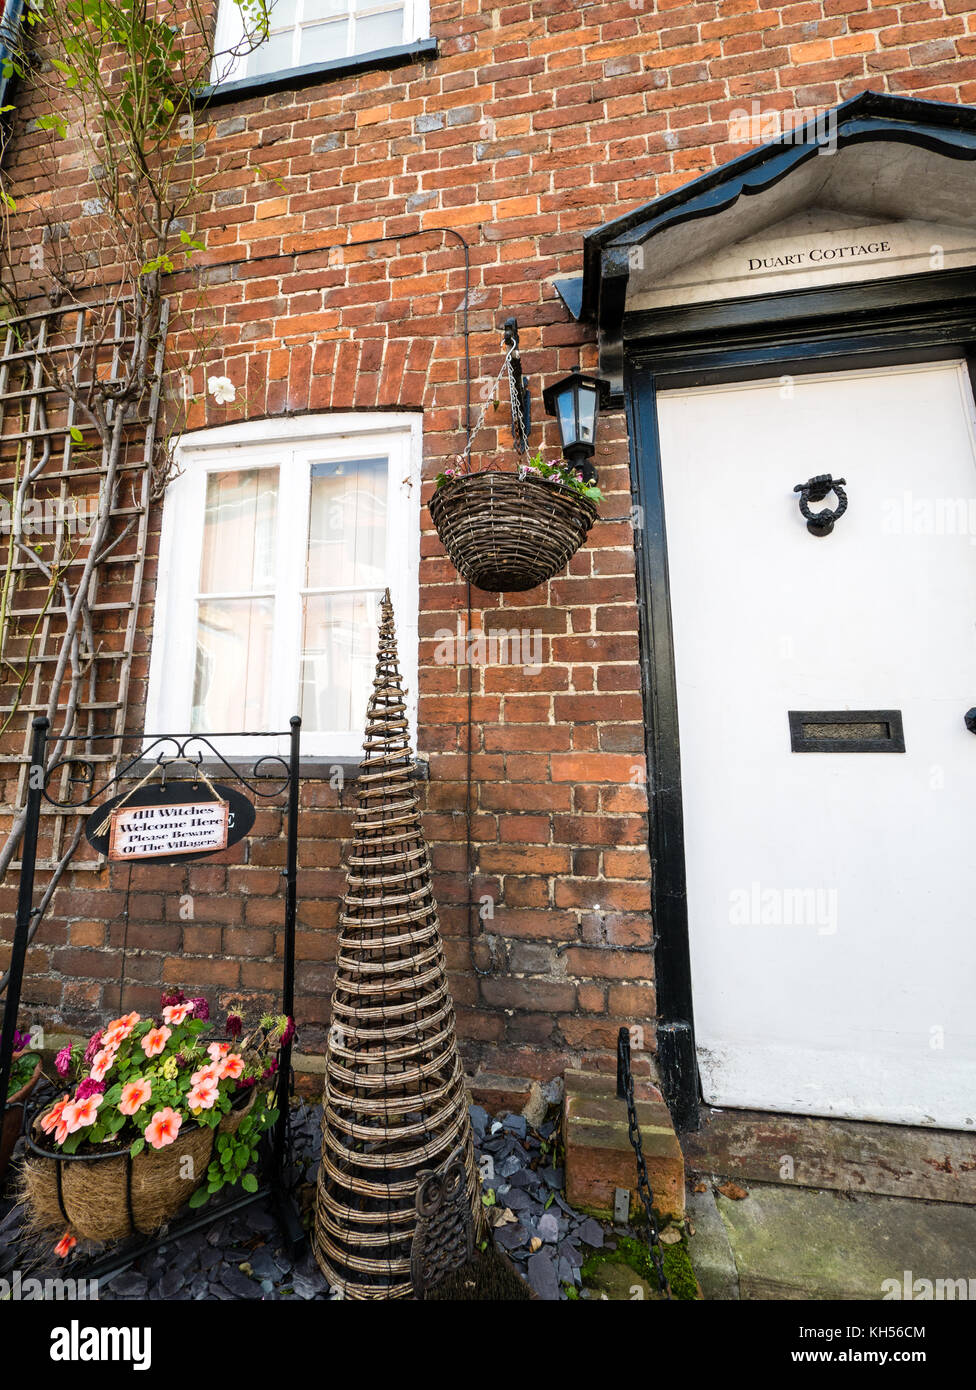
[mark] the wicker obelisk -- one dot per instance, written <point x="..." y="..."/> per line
<point x="395" y="1103"/>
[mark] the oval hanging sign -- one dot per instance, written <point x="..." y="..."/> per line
<point x="181" y="820"/>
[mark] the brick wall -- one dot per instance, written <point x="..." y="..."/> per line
<point x="535" y="123"/>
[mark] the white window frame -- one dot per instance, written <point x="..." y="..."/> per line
<point x="294" y="444"/>
<point x="230" y="33"/>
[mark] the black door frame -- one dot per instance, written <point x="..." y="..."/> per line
<point x="917" y="318"/>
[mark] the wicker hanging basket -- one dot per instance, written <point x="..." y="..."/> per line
<point x="505" y="533"/>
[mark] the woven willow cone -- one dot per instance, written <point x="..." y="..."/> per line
<point x="395" y="1102"/>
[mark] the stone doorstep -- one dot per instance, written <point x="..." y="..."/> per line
<point x="599" y="1155"/>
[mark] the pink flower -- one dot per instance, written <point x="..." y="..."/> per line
<point x="134" y="1096"/>
<point x="163" y="1128"/>
<point x="52" y="1119"/>
<point x="218" y="1050"/>
<point x="211" y="1072"/>
<point x="231" y="1066"/>
<point x="200" y="1007"/>
<point x="234" y="1025"/>
<point x="176" y="1013"/>
<point x="204" y="1094"/>
<point x="79" y="1114"/>
<point x="94" y="1045"/>
<point x="62" y="1062"/>
<point x="102" y="1063"/>
<point x="65" y="1245"/>
<point x="155" y="1041"/>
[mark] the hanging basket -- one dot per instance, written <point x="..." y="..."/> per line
<point x="108" y="1196"/>
<point x="506" y="533"/>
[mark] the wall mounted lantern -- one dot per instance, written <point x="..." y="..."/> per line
<point x="576" y="402"/>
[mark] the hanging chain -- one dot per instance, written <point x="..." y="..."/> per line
<point x="625" y="1084"/>
<point x="464" y="459"/>
<point x="519" y="433"/>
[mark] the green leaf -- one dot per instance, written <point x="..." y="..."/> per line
<point x="249" y="1182"/>
<point x="199" y="1197"/>
<point x="52" y="122"/>
<point x="137" y="1147"/>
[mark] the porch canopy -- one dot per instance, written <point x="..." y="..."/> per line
<point x="815" y="206"/>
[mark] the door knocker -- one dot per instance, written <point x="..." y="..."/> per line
<point x="815" y="490"/>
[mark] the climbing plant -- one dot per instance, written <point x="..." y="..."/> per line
<point x="116" y="87"/>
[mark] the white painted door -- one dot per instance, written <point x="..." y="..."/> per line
<point x="831" y="896"/>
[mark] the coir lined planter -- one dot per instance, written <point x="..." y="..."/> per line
<point x="110" y="1195"/>
<point x="505" y="533"/>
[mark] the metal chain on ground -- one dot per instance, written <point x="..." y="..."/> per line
<point x="625" y="1084"/>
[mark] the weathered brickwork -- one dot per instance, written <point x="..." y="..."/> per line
<point x="535" y="123"/>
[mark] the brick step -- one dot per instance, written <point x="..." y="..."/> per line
<point x="599" y="1155"/>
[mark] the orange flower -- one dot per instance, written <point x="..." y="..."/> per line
<point x="204" y="1094"/>
<point x="52" y="1119"/>
<point x="102" y="1062"/>
<point x="119" y="1029"/>
<point x="176" y="1013"/>
<point x="211" y="1072"/>
<point x="217" y="1051"/>
<point x="134" y="1096"/>
<point x="155" y="1041"/>
<point x="79" y="1114"/>
<point x="232" y="1066"/>
<point x="163" y="1128"/>
<point x="66" y="1244"/>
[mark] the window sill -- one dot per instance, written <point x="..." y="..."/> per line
<point x="290" y="79"/>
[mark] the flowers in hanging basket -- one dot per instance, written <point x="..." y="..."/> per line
<point x="559" y="471"/>
<point x="547" y="471"/>
<point x="140" y="1080"/>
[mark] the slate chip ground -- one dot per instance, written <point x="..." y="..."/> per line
<point x="241" y="1256"/>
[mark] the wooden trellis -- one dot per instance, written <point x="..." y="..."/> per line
<point x="52" y="458"/>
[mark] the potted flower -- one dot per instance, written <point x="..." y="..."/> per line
<point x="157" y="1114"/>
<point x="24" y="1075"/>
<point x="506" y="532"/>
